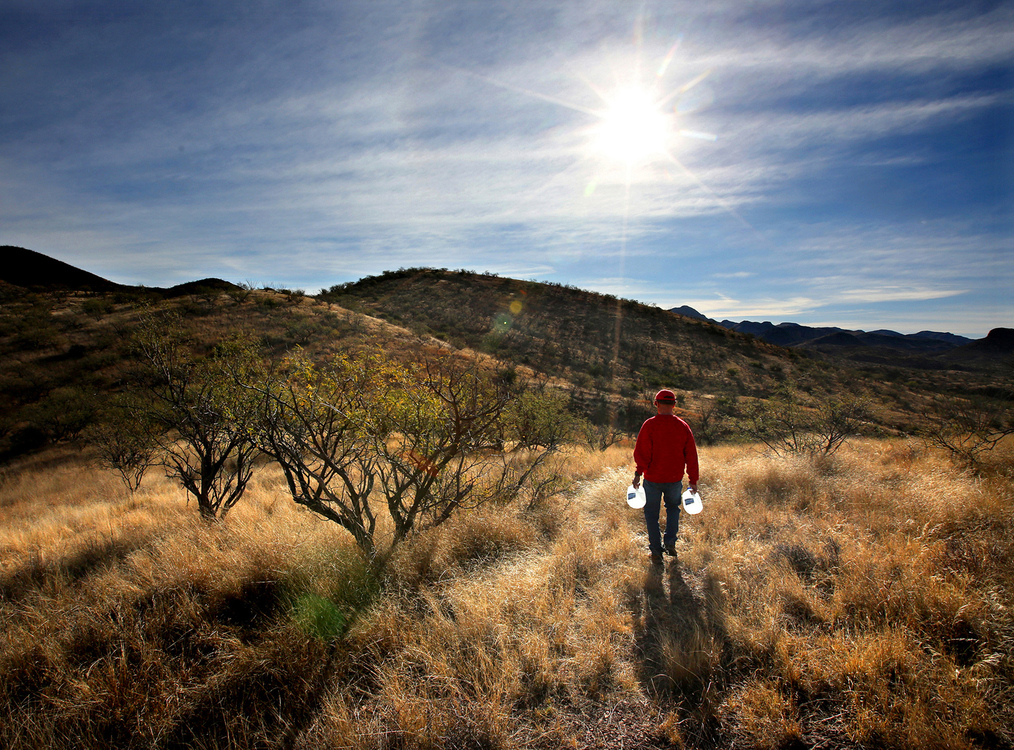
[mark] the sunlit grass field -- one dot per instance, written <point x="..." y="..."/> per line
<point x="859" y="601"/>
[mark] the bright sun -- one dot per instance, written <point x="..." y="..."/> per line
<point x="633" y="127"/>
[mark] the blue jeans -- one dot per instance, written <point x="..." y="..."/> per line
<point x="653" y="494"/>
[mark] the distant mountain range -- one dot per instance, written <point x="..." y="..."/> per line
<point x="872" y="346"/>
<point x="793" y="334"/>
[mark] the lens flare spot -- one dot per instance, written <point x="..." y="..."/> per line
<point x="516" y="307"/>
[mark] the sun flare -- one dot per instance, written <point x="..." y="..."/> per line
<point x="633" y="127"/>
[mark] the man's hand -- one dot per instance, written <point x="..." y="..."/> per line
<point x="637" y="480"/>
<point x="693" y="488"/>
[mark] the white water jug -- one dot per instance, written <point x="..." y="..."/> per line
<point x="692" y="502"/>
<point x="635" y="497"/>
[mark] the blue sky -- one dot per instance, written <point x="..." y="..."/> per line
<point x="827" y="163"/>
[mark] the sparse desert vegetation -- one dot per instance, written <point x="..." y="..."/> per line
<point x="848" y="585"/>
<point x="858" y="600"/>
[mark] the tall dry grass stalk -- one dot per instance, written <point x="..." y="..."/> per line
<point x="861" y="601"/>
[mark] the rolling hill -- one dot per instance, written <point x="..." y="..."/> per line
<point x="605" y="347"/>
<point x="67" y="343"/>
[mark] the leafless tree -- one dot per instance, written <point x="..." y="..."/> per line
<point x="124" y="441"/>
<point x="362" y="438"/>
<point x="712" y="420"/>
<point x="201" y="420"/>
<point x="787" y="427"/>
<point x="969" y="427"/>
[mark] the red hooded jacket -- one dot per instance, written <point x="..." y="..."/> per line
<point x="665" y="448"/>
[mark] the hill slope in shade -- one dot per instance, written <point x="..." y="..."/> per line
<point x="615" y="344"/>
<point x="997" y="347"/>
<point x="32" y="270"/>
<point x="202" y="286"/>
<point x="688" y="312"/>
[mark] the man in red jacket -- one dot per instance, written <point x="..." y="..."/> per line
<point x="665" y="448"/>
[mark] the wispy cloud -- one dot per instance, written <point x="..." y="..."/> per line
<point x="765" y="308"/>
<point x="895" y="293"/>
<point x="315" y="145"/>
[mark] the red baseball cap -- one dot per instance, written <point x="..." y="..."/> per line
<point x="665" y="396"/>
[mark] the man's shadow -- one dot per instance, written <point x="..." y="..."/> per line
<point x="679" y="636"/>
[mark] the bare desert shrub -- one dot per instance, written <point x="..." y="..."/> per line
<point x="788" y="427"/>
<point x="197" y="420"/>
<point x="970" y="428"/>
<point x="123" y="443"/>
<point x="375" y="445"/>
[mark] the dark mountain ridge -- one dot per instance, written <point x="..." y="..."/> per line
<point x="999" y="341"/>
<point x="34" y="271"/>
<point x="794" y="334"/>
<point x="922" y="349"/>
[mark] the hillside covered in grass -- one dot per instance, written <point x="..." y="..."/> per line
<point x="845" y="603"/>
<point x="613" y="351"/>
<point x="62" y="351"/>
<point x="589" y="338"/>
<point x="859" y="598"/>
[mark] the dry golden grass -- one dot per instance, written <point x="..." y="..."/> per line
<point x="861" y="601"/>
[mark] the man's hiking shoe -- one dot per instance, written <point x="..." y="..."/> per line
<point x="656" y="559"/>
<point x="671" y="551"/>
